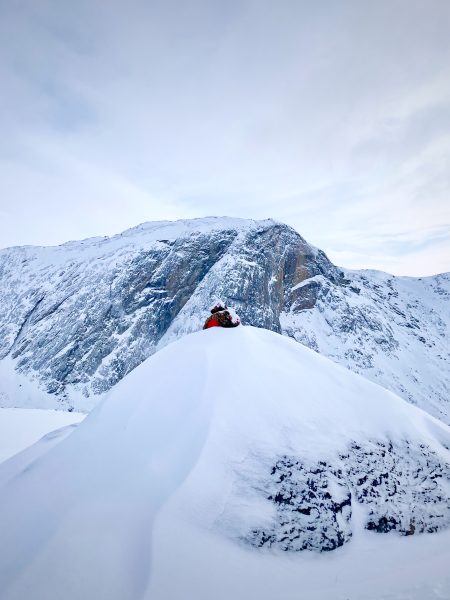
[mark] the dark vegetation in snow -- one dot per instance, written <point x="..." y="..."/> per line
<point x="403" y="487"/>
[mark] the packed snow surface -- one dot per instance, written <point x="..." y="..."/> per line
<point x="223" y="467"/>
<point x="21" y="427"/>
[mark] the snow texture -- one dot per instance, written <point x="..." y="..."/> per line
<point x="75" y="319"/>
<point x="312" y="507"/>
<point x="257" y="445"/>
<point x="393" y="330"/>
<point x="21" y="427"/>
<point x="405" y="487"/>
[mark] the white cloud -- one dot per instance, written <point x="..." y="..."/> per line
<point x="333" y="117"/>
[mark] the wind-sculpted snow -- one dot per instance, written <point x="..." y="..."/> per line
<point x="228" y="441"/>
<point x="76" y="318"/>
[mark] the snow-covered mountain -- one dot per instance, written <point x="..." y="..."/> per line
<point x="74" y="319"/>
<point x="211" y="468"/>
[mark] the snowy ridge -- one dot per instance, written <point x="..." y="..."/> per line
<point x="22" y="427"/>
<point x="76" y="318"/>
<point x="285" y="451"/>
<point x="393" y="330"/>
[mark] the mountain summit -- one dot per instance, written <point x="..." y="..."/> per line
<point x="228" y="440"/>
<point x="76" y="318"/>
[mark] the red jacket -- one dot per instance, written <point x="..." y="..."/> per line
<point x="221" y="318"/>
<point x="212" y="321"/>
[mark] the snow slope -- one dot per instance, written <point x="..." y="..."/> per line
<point x="21" y="427"/>
<point x="393" y="330"/>
<point x="227" y="463"/>
<point x="76" y="318"/>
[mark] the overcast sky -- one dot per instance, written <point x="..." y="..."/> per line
<point x="332" y="116"/>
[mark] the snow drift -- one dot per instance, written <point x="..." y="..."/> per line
<point x="243" y="434"/>
<point x="76" y="318"/>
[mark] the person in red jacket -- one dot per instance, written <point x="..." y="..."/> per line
<point x="221" y="316"/>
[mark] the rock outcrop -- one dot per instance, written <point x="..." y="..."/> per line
<point x="74" y="319"/>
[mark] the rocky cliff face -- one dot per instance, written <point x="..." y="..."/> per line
<point x="76" y="318"/>
<point x="393" y="330"/>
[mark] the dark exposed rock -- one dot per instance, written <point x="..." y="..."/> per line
<point x="403" y="486"/>
<point x="78" y="317"/>
<point x="313" y="508"/>
<point x="83" y="324"/>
